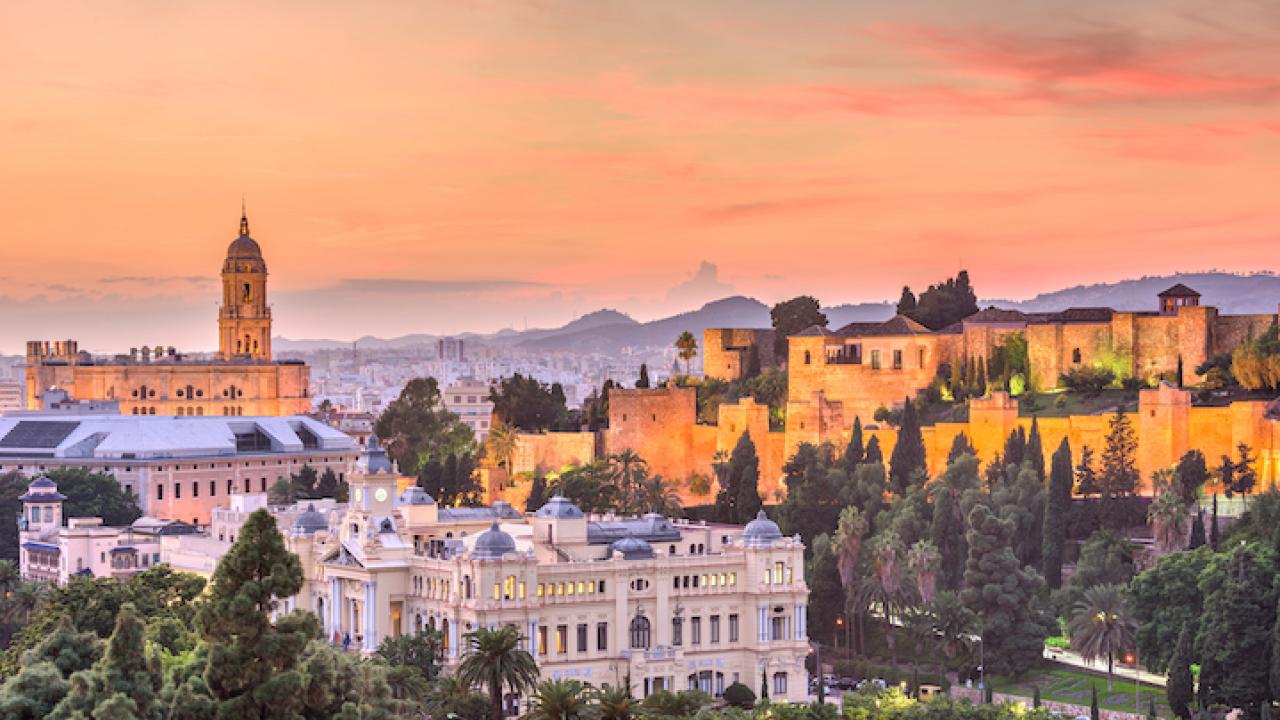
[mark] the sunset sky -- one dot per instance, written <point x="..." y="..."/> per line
<point x="470" y="165"/>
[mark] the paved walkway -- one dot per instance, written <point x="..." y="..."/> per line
<point x="1070" y="657"/>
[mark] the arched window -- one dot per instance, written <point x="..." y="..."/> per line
<point x="640" y="633"/>
<point x="807" y="358"/>
<point x="248" y="292"/>
<point x="1075" y="356"/>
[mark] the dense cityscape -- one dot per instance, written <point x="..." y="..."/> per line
<point x="451" y="440"/>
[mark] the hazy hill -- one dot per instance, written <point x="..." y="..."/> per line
<point x="609" y="331"/>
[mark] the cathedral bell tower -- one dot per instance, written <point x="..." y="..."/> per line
<point x="244" y="320"/>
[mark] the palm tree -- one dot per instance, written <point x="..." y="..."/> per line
<point x="1101" y="625"/>
<point x="627" y="468"/>
<point x="559" y="700"/>
<point x="1169" y="517"/>
<point x="923" y="561"/>
<point x="846" y="545"/>
<point x="658" y="496"/>
<point x="688" y="348"/>
<point x="501" y="444"/>
<point x="16" y="605"/>
<point x="495" y="660"/>
<point x="886" y="558"/>
<point x="954" y="623"/>
<point x="614" y="703"/>
<point x="449" y="695"/>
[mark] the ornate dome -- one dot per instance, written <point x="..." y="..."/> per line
<point x="492" y="544"/>
<point x="761" y="532"/>
<point x="310" y="521"/>
<point x="42" y="489"/>
<point x="559" y="507"/>
<point x="633" y="548"/>
<point x="244" y="254"/>
<point x="244" y="248"/>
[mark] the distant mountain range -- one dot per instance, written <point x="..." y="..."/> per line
<point x="610" y="331"/>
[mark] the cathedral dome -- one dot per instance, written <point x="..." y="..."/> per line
<point x="244" y="248"/>
<point x="493" y="544"/>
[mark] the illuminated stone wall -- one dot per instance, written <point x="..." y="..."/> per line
<point x="658" y="424"/>
<point x="553" y="451"/>
<point x="725" y="351"/>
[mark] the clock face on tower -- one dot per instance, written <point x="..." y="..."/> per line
<point x="380" y="494"/>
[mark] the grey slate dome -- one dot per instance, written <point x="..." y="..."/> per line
<point x="42" y="489"/>
<point x="761" y="532"/>
<point x="492" y="544"/>
<point x="415" y="495"/>
<point x="310" y="521"/>
<point x="633" y="548"/>
<point x="559" y="507"/>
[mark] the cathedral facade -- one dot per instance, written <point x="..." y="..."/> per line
<point x="242" y="379"/>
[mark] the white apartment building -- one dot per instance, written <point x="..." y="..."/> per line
<point x="469" y="400"/>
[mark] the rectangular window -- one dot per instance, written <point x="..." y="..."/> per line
<point x="733" y="628"/>
<point x="875" y="359"/>
<point x="177" y="490"/>
<point x="715" y="628"/>
<point x="159" y="491"/>
<point x="777" y="572"/>
<point x="600" y="587"/>
<point x="542" y="639"/>
<point x="582" y="637"/>
<point x="921" y="359"/>
<point x="897" y="359"/>
<point x="602" y="636"/>
<point x="778" y="628"/>
<point x="677" y="631"/>
<point x="521" y="589"/>
<point x="195" y="488"/>
<point x="213" y="488"/>
<point x="695" y="630"/>
<point x="228" y="486"/>
<point x="497" y="591"/>
<point x="562" y="639"/>
<point x="780" y="683"/>
<point x="540" y="589"/>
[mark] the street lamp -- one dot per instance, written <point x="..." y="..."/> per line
<point x="839" y="627"/>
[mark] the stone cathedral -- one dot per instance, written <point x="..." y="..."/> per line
<point x="242" y="379"/>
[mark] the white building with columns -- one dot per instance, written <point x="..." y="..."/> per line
<point x="667" y="604"/>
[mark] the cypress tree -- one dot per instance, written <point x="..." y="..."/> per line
<point x="906" y="302"/>
<point x="643" y="381"/>
<point x="1035" y="697"/>
<point x="908" y="453"/>
<point x="854" y="453"/>
<point x="537" y="493"/>
<point x="252" y="669"/>
<point x="1035" y="449"/>
<point x="1180" y="687"/>
<point x="1056" y="514"/>
<point x="982" y="378"/>
<point x="956" y="381"/>
<point x="1015" y="447"/>
<point x="960" y="446"/>
<point x="1208" y="692"/>
<point x="744" y="480"/>
<point x="874" y="455"/>
<point x="764" y="685"/>
<point x="1197" y="531"/>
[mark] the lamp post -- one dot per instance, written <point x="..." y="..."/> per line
<point x="982" y="667"/>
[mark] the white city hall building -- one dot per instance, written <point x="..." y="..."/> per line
<point x="666" y="604"/>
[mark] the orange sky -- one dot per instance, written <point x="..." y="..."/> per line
<point x="419" y="166"/>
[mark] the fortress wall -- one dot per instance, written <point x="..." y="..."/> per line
<point x="859" y="388"/>
<point x="1050" y="348"/>
<point x="1231" y="330"/>
<point x="724" y="350"/>
<point x="547" y="452"/>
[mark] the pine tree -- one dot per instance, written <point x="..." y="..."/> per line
<point x="908" y="456"/>
<point x="1197" y="532"/>
<point x="874" y="455"/>
<point x="854" y="452"/>
<point x="1056" y="513"/>
<point x="1119" y="469"/>
<point x="643" y="381"/>
<point x="907" y="302"/>
<point x="1180" y="688"/>
<point x="1002" y="593"/>
<point x="125" y="671"/>
<point x="252" y="669"/>
<point x="1035" y="449"/>
<point x="1086" y="476"/>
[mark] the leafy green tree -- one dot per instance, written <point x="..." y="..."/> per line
<point x="1235" y="629"/>
<point x="417" y="651"/>
<point x="908" y="459"/>
<point x="495" y="660"/>
<point x="1169" y="517"/>
<point x="1180" y="688"/>
<point x="252" y="668"/>
<point x="1165" y="599"/>
<point x="1057" y="514"/>
<point x="1256" y="362"/>
<point x="739" y="696"/>
<point x="1190" y="475"/>
<point x="524" y="403"/>
<point x="1101" y="627"/>
<point x="907" y="302"/>
<point x="615" y="703"/>
<point x="1197" y="531"/>
<point x="1246" y="475"/>
<point x="1002" y="594"/>
<point x="948" y="527"/>
<point x="792" y="316"/>
<point x="125" y="671"/>
<point x="417" y="427"/>
<point x="643" y="380"/>
<point x="329" y="486"/>
<point x="33" y="693"/>
<point x="826" y="597"/>
<point x="945" y="303"/>
<point x="281" y="493"/>
<point x="812" y="505"/>
<point x="449" y="697"/>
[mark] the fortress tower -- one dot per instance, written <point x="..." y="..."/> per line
<point x="244" y="319"/>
